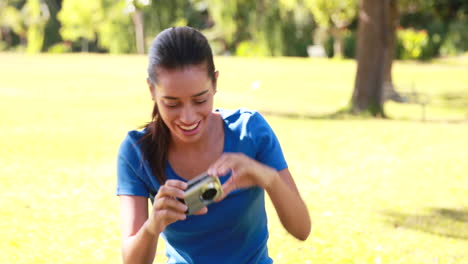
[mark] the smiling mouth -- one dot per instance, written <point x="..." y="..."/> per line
<point x="190" y="128"/>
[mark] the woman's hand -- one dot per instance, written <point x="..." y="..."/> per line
<point x="166" y="208"/>
<point x="245" y="172"/>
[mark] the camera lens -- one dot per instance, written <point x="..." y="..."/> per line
<point x="209" y="194"/>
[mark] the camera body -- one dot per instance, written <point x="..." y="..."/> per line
<point x="201" y="191"/>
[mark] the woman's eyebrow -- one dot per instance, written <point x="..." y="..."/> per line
<point x="176" y="98"/>
<point x="198" y="94"/>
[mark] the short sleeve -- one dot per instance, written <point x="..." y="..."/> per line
<point x="268" y="148"/>
<point x="128" y="181"/>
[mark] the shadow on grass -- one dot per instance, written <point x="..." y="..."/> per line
<point x="346" y="115"/>
<point x="457" y="99"/>
<point x="452" y="223"/>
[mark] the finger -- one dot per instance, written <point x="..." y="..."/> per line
<point x="170" y="191"/>
<point x="176" y="184"/>
<point x="228" y="187"/>
<point x="216" y="166"/>
<point x="170" y="203"/>
<point x="202" y="211"/>
<point x="222" y="197"/>
<point x="169" y="216"/>
<point x="224" y="164"/>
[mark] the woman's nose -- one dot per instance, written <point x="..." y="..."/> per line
<point x="187" y="116"/>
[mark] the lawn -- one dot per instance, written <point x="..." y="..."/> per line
<point x="379" y="191"/>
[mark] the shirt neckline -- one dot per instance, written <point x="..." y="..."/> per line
<point x="225" y="147"/>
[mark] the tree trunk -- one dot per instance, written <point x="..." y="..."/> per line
<point x="337" y="43"/>
<point x="372" y="54"/>
<point x="5" y="34"/>
<point x="84" y="45"/>
<point x="137" y="18"/>
<point x="389" y="88"/>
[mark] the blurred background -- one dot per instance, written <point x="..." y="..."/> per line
<point x="368" y="98"/>
<point x="425" y="28"/>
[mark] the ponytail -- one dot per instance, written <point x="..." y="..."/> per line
<point x="155" y="145"/>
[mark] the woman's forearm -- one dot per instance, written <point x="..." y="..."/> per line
<point x="290" y="208"/>
<point x="141" y="247"/>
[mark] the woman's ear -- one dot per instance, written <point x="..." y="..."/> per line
<point x="215" y="84"/>
<point x="151" y="88"/>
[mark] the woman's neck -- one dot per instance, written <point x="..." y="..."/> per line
<point x="212" y="133"/>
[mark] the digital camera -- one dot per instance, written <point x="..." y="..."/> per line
<point x="201" y="191"/>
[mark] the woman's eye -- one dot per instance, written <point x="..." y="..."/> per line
<point x="172" y="105"/>
<point x="200" y="101"/>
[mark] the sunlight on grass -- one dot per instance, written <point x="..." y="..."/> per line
<point x="379" y="191"/>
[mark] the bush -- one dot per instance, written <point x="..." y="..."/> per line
<point x="60" y="48"/>
<point x="437" y="33"/>
<point x="250" y="49"/>
<point x="3" y="45"/>
<point x="456" y="40"/>
<point x="349" y="44"/>
<point x="411" y="43"/>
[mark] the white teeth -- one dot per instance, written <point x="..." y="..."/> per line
<point x="189" y="127"/>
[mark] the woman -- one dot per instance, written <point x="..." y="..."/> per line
<point x="185" y="138"/>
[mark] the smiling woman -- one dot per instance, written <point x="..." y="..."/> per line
<point x="187" y="138"/>
<point x="185" y="99"/>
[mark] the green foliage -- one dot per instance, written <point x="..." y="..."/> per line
<point x="103" y="20"/>
<point x="456" y="40"/>
<point x="163" y="14"/>
<point x="81" y="19"/>
<point x="270" y="27"/>
<point x="116" y="32"/>
<point x="11" y="18"/>
<point x="37" y="14"/>
<point x="349" y="44"/>
<point x="3" y="45"/>
<point x="332" y="17"/>
<point x="436" y="34"/>
<point x="412" y="43"/>
<point x="224" y="14"/>
<point x="52" y="28"/>
<point x="297" y="28"/>
<point x="337" y="14"/>
<point x="59" y="48"/>
<point x="251" y="49"/>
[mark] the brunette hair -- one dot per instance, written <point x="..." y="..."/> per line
<point x="173" y="48"/>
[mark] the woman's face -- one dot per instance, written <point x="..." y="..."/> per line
<point x="185" y="101"/>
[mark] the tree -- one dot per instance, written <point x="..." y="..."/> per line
<point x="389" y="92"/>
<point x="37" y="15"/>
<point x="135" y="8"/>
<point x="372" y="53"/>
<point x="11" y="19"/>
<point x="249" y="27"/>
<point x="116" y="32"/>
<point x="333" y="17"/>
<point x="81" y="19"/>
<point x="15" y="19"/>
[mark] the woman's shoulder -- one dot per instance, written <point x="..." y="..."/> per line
<point x="243" y="122"/>
<point x="238" y="116"/>
<point x="131" y="141"/>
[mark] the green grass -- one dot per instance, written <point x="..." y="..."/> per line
<point x="379" y="191"/>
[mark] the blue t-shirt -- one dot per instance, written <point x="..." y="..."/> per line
<point x="235" y="229"/>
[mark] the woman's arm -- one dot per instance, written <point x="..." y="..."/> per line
<point x="140" y="231"/>
<point x="138" y="244"/>
<point x="289" y="206"/>
<point x="280" y="186"/>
